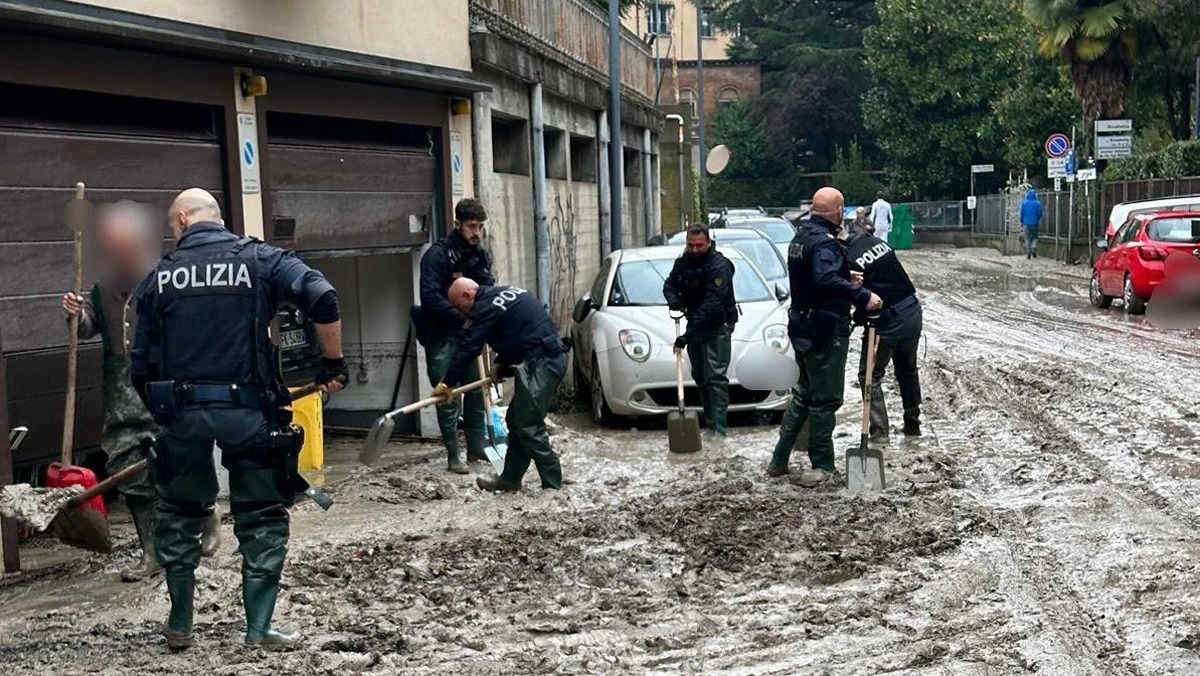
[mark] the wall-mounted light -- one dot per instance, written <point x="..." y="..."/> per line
<point x="253" y="85"/>
<point x="460" y="106"/>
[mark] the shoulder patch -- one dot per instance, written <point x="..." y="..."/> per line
<point x="718" y="281"/>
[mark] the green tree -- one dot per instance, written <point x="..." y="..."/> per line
<point x="851" y="177"/>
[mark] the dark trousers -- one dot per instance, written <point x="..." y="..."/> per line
<point x="187" y="487"/>
<point x="899" y="331"/>
<point x="437" y="358"/>
<point x="710" y="366"/>
<point x="528" y="440"/>
<point x="816" y="398"/>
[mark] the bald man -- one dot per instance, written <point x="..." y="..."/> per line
<point x="128" y="242"/>
<point x="205" y="366"/>
<point x="527" y="347"/>
<point x="819" y="327"/>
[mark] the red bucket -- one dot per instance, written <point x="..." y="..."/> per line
<point x="63" y="476"/>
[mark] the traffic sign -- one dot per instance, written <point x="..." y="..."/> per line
<point x="982" y="168"/>
<point x="1056" y="167"/>
<point x="1058" y="145"/>
<point x="1086" y="174"/>
<point x="971" y="203"/>
<point x="1070" y="167"/>
<point x="1113" y="125"/>
<point x="1058" y="184"/>
<point x="1114" y="147"/>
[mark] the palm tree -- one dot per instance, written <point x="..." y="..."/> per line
<point x="1096" y="39"/>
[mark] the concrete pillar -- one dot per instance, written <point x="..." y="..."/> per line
<point x="541" y="229"/>
<point x="481" y="146"/>
<point x="605" y="189"/>
<point x="648" y="188"/>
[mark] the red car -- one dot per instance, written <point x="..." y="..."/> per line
<point x="1132" y="259"/>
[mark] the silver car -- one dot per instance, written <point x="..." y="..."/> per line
<point x="751" y="244"/>
<point x="624" y="335"/>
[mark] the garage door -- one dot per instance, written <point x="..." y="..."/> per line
<point x="349" y="184"/>
<point x="123" y="148"/>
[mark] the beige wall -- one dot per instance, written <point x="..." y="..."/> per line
<point x="683" y="28"/>
<point x="421" y="31"/>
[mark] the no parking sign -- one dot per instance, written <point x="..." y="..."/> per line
<point x="1057" y="145"/>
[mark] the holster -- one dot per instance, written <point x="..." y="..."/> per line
<point x="286" y="443"/>
<point x="162" y="401"/>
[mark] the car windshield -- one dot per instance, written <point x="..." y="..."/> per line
<point x="641" y="282"/>
<point x="1184" y="230"/>
<point x="777" y="231"/>
<point x="762" y="253"/>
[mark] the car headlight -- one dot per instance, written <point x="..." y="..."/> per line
<point x="635" y="343"/>
<point x="776" y="338"/>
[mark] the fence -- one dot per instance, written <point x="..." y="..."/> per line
<point x="1115" y="192"/>
<point x="950" y="215"/>
<point x="578" y="31"/>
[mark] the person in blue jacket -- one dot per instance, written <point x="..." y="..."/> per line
<point x="1031" y="216"/>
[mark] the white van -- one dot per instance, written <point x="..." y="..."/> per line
<point x="1121" y="212"/>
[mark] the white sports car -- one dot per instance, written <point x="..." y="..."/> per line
<point x="624" y="335"/>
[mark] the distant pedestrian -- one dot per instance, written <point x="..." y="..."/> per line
<point x="1031" y="217"/>
<point x="862" y="224"/>
<point x="881" y="216"/>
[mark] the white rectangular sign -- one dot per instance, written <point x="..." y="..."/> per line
<point x="248" y="152"/>
<point x="1058" y="184"/>
<point x="1056" y="167"/>
<point x="1113" y="125"/>
<point x="982" y="168"/>
<point x="456" y="163"/>
<point x="1086" y="174"/>
<point x="971" y="202"/>
<point x="1113" y="147"/>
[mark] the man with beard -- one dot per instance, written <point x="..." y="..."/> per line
<point x="701" y="286"/>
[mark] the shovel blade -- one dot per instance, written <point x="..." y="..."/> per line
<point x="84" y="528"/>
<point x="683" y="432"/>
<point x="864" y="469"/>
<point x="377" y="438"/>
<point x="495" y="455"/>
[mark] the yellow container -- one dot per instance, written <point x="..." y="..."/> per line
<point x="306" y="412"/>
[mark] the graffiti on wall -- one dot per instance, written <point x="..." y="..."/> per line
<point x="562" y="260"/>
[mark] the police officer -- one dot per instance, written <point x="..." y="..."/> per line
<point x="527" y="346"/>
<point x="898" y="326"/>
<point x="128" y="239"/>
<point x="457" y="255"/>
<point x="701" y="286"/>
<point x="819" y="327"/>
<point x="205" y="365"/>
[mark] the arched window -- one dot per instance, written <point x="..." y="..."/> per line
<point x="689" y="97"/>
<point x="727" y="96"/>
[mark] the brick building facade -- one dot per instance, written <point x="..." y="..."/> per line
<point x="724" y="81"/>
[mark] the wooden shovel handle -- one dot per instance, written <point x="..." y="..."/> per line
<point x="68" y="437"/>
<point x="102" y="486"/>
<point x="429" y="401"/>
<point x="872" y="342"/>
<point x="678" y="369"/>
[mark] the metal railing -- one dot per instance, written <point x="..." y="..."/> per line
<point x="945" y="215"/>
<point x="577" y="31"/>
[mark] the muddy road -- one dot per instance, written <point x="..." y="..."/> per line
<point x="1047" y="522"/>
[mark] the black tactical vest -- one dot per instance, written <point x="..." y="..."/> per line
<point x="881" y="269"/>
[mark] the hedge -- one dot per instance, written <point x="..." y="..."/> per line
<point x="1181" y="158"/>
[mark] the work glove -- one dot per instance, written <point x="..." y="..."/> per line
<point x="505" y="371"/>
<point x="332" y="370"/>
<point x="675" y="307"/>
<point x="681" y="342"/>
<point x="443" y="392"/>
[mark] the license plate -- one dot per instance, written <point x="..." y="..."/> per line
<point x="293" y="338"/>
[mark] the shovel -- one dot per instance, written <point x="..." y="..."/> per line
<point x="79" y="526"/>
<point x="64" y="474"/>
<point x="864" y="465"/>
<point x="683" y="427"/>
<point x="495" y="452"/>
<point x="381" y="431"/>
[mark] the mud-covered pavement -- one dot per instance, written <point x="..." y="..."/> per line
<point x="1047" y="522"/>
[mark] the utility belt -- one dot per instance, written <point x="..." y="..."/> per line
<point x="813" y="328"/>
<point x="166" y="397"/>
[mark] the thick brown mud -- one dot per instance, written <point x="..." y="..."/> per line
<point x="1046" y="522"/>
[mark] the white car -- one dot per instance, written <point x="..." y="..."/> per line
<point x="779" y="231"/>
<point x="624" y="336"/>
<point x="1121" y="212"/>
<point x="752" y="244"/>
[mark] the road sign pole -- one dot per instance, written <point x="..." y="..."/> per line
<point x="976" y="209"/>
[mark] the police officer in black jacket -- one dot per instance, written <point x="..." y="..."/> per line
<point x="459" y="254"/>
<point x="819" y="327"/>
<point x="528" y="348"/>
<point x="701" y="286"/>
<point x="204" y="363"/>
<point x="898" y="326"/>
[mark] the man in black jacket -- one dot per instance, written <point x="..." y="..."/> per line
<point x="701" y="286"/>
<point x="457" y="255"/>
<point x="898" y="326"/>
<point x="819" y="327"/>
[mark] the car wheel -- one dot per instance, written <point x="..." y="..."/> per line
<point x="1134" y="305"/>
<point x="601" y="413"/>
<point x="1098" y="299"/>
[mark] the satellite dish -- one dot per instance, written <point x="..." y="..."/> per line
<point x="717" y="159"/>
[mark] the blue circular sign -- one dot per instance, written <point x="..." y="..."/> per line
<point x="1058" y="145"/>
<point x="248" y="153"/>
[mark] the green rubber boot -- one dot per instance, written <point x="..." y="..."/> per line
<point x="258" y="598"/>
<point x="181" y="587"/>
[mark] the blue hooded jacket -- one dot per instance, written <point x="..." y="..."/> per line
<point x="1031" y="210"/>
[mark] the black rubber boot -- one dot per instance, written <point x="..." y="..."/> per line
<point x="181" y="587"/>
<point x="143" y="512"/>
<point x="912" y="421"/>
<point x="495" y="483"/>
<point x="456" y="465"/>
<point x="258" y="598"/>
<point x="210" y="541"/>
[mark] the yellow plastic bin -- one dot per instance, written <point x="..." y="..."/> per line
<point x="306" y="412"/>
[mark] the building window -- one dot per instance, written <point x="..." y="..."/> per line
<point x="555" y="144"/>
<point x="510" y="145"/>
<point x="727" y="96"/>
<point x="658" y="18"/>
<point x="706" y="29"/>
<point x="689" y="97"/>
<point x="633" y="167"/>
<point x="583" y="159"/>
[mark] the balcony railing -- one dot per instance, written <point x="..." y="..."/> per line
<point x="579" y="32"/>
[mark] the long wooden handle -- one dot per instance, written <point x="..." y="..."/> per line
<point x="68" y="437"/>
<point x="871" y="345"/>
<point x="102" y="486"/>
<point x="678" y="370"/>
<point x="429" y="401"/>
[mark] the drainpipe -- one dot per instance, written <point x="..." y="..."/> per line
<point x="647" y="186"/>
<point x="616" y="176"/>
<point x="541" y="230"/>
<point x="605" y="188"/>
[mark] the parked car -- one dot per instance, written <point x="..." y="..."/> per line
<point x="1121" y="212"/>
<point x="753" y="245"/>
<point x="743" y="212"/>
<point x="779" y="231"/>
<point x="1131" y="262"/>
<point x="624" y="336"/>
